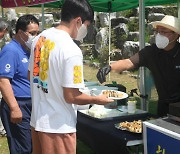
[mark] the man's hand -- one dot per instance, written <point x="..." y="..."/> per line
<point x="101" y="75"/>
<point x="103" y="100"/>
<point x="16" y="115"/>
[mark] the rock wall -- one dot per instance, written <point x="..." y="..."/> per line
<point x="124" y="29"/>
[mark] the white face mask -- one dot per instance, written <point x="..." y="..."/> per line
<point x="82" y="32"/>
<point x="161" y="41"/>
<point x="29" y="41"/>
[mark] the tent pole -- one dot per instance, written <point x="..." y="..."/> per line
<point x="179" y="9"/>
<point x="109" y="43"/>
<point x="142" y="45"/>
<point x="42" y="9"/>
<point x="178" y="5"/>
<point x="2" y="11"/>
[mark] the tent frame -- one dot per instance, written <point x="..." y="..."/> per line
<point x="142" y="70"/>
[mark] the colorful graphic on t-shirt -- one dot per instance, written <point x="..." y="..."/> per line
<point x="77" y="74"/>
<point x="37" y="54"/>
<point x="41" y="62"/>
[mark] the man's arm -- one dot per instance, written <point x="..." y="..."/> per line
<point x="8" y="96"/>
<point x="118" y="66"/>
<point x="122" y="65"/>
<point x="74" y="96"/>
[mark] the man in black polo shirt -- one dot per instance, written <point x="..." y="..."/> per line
<point x="161" y="58"/>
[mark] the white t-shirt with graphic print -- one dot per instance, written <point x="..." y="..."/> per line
<point x="56" y="62"/>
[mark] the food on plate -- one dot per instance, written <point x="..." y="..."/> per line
<point x="112" y="93"/>
<point x="135" y="126"/>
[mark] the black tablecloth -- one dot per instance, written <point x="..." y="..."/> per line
<point x="103" y="137"/>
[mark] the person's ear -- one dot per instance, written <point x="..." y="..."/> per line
<point x="78" y="19"/>
<point x="19" y="31"/>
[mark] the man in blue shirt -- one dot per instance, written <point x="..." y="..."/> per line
<point x="15" y="87"/>
<point x="3" y="30"/>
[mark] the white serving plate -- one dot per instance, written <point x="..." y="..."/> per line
<point x="122" y="94"/>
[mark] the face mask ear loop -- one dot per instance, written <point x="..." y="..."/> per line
<point x="79" y="27"/>
<point x="22" y="38"/>
<point x="172" y="41"/>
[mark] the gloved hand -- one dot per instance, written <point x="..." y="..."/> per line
<point x="101" y="75"/>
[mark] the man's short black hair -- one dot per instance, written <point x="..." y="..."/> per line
<point x="77" y="8"/>
<point x="24" y="21"/>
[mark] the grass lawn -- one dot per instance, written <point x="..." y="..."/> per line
<point x="3" y="146"/>
<point x="125" y="79"/>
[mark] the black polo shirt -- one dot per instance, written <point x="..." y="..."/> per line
<point x="165" y="68"/>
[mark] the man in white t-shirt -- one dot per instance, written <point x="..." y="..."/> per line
<point x="56" y="74"/>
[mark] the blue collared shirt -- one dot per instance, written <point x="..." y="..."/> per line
<point x="14" y="61"/>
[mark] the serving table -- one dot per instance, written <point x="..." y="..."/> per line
<point x="104" y="138"/>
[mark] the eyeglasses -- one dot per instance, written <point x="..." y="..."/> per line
<point x="33" y="33"/>
<point x="163" y="32"/>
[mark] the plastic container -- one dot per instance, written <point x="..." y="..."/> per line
<point x="85" y="91"/>
<point x="97" y="87"/>
<point x="88" y="84"/>
<point x="131" y="107"/>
